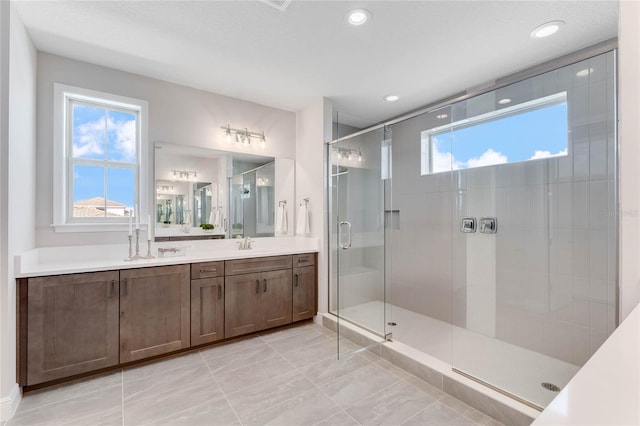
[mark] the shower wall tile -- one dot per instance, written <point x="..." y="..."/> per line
<point x="581" y="344"/>
<point x="597" y="339"/>
<point x="581" y="253"/>
<point x="565" y="205"/>
<point x="581" y="289"/>
<point x="598" y="201"/>
<point x="598" y="255"/>
<point x="600" y="67"/>
<point x="565" y="169"/>
<point x="580" y="161"/>
<point x="597" y="99"/>
<point x="550" y="82"/>
<point x="580" y="205"/>
<point x="599" y="291"/>
<point x="598" y="320"/>
<point x="565" y="341"/>
<point x="579" y="98"/>
<point x="581" y="312"/>
<point x="598" y="159"/>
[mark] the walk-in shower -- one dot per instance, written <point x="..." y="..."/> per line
<point x="484" y="232"/>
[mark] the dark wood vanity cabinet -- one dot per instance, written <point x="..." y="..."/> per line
<point x="207" y="302"/>
<point x="154" y="311"/>
<point x="305" y="289"/>
<point x="257" y="300"/>
<point x="78" y="323"/>
<point x="72" y="325"/>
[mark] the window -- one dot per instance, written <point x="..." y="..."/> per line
<point x="98" y="164"/>
<point x="528" y="131"/>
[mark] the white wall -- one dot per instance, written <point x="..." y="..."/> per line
<point x="313" y="129"/>
<point x="285" y="191"/>
<point x="629" y="155"/>
<point x="177" y="114"/>
<point x="20" y="181"/>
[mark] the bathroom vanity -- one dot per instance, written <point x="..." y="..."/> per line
<point x="75" y="318"/>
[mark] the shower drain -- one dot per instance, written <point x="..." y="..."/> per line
<point x="392" y="324"/>
<point x="550" y="386"/>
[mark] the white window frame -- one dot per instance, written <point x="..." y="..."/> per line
<point x="62" y="202"/>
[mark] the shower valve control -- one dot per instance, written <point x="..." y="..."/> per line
<point x="468" y="224"/>
<point x="488" y="225"/>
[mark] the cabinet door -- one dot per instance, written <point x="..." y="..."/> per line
<point x="242" y="304"/>
<point x="276" y="298"/>
<point x="304" y="293"/>
<point x="72" y="325"/>
<point x="154" y="311"/>
<point x="207" y="310"/>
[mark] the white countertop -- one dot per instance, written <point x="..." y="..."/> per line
<point x="606" y="391"/>
<point x="68" y="260"/>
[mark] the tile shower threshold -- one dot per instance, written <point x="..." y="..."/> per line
<point x="485" y="398"/>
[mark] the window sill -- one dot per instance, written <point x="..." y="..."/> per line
<point x="94" y="227"/>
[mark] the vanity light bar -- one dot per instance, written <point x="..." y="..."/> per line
<point x="243" y="136"/>
<point x="350" y="154"/>
<point x="184" y="174"/>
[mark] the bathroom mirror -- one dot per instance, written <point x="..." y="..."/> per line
<point x="195" y="186"/>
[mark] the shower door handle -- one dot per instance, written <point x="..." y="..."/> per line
<point x="348" y="245"/>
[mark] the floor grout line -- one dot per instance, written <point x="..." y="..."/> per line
<point x="224" y="394"/>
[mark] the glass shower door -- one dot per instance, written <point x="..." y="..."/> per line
<point x="360" y="178"/>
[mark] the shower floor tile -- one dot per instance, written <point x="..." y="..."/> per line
<point x="517" y="370"/>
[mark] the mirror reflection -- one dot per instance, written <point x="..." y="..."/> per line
<point x="206" y="194"/>
<point x="252" y="201"/>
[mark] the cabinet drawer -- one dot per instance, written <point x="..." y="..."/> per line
<point x="300" y="260"/>
<point x="207" y="270"/>
<point x="258" y="264"/>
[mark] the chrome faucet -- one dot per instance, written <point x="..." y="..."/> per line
<point x="245" y="244"/>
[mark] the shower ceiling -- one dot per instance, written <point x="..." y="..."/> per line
<point x="422" y="51"/>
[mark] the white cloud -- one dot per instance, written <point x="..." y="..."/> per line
<point x="89" y="140"/>
<point x="125" y="139"/>
<point x="488" y="158"/>
<point x="442" y="161"/>
<point x="547" y="154"/>
<point x="446" y="161"/>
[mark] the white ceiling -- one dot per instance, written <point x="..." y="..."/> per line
<point x="422" y="51"/>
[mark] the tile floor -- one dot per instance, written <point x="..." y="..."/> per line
<point x="286" y="377"/>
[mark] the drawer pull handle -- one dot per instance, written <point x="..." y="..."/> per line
<point x="303" y="260"/>
<point x="296" y="280"/>
<point x="203" y="270"/>
<point x="264" y="283"/>
<point x="257" y="286"/>
<point x="125" y="289"/>
<point x="113" y="289"/>
<point x="219" y="292"/>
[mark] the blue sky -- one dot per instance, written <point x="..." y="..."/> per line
<point x="538" y="133"/>
<point x="100" y="134"/>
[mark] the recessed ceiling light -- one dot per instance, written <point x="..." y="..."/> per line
<point x="585" y="72"/>
<point x="358" y="17"/>
<point x="391" y="98"/>
<point x="441" y="116"/>
<point x="547" y="29"/>
<point x="504" y="101"/>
